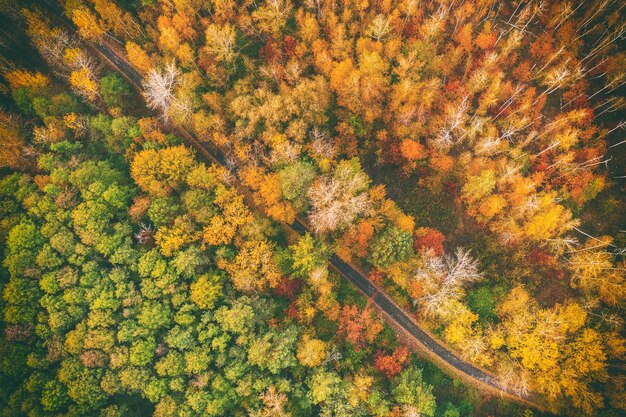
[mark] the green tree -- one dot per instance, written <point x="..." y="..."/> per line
<point x="410" y="390"/>
<point x="115" y="91"/>
<point x="295" y="180"/>
<point x="274" y="350"/>
<point x="309" y="254"/>
<point x="392" y="245"/>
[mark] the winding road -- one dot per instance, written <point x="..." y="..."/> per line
<point x="397" y="317"/>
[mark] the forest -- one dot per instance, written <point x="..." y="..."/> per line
<point x="335" y="208"/>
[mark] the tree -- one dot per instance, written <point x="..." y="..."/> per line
<point x="359" y="326"/>
<point x="138" y="58"/>
<point x="311" y="352"/>
<point x="595" y="272"/>
<point x="221" y="42"/>
<point x="295" y="180"/>
<point x="391" y="365"/>
<point x="85" y="84"/>
<point x="443" y="280"/>
<point x="235" y="214"/>
<point x="88" y="24"/>
<point x="54" y="396"/>
<point x="254" y="268"/>
<point x="328" y="390"/>
<point x="339" y="198"/>
<point x="274" y="350"/>
<point x="159" y="172"/>
<point x="409" y="390"/>
<point x="426" y="239"/>
<point x="392" y="245"/>
<point x="14" y="152"/>
<point x="159" y="87"/>
<point x="26" y="79"/>
<point x="115" y="91"/>
<point x="206" y="291"/>
<point x="142" y="351"/>
<point x="309" y="255"/>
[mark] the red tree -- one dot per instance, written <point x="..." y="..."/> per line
<point x="426" y="238"/>
<point x="391" y="365"/>
<point x="359" y="326"/>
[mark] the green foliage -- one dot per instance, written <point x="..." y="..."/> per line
<point x="22" y="244"/>
<point x="392" y="245"/>
<point x="295" y="180"/>
<point x="54" y="396"/>
<point x="482" y="301"/>
<point x="115" y="91"/>
<point x="142" y="351"/>
<point x="22" y="100"/>
<point x="274" y="351"/>
<point x="308" y="255"/>
<point x="163" y="210"/>
<point x="409" y="389"/>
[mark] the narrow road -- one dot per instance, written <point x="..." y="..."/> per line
<point x="461" y="368"/>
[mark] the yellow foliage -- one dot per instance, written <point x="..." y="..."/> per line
<point x="517" y="300"/>
<point x="219" y="231"/>
<point x="172" y="238"/>
<point x="204" y="292"/>
<point x="405" y="222"/>
<point x="160" y="171"/>
<point x="360" y="390"/>
<point x="461" y="327"/>
<point x="71" y="121"/>
<point x="479" y="186"/>
<point x="311" y="352"/>
<point x="88" y="25"/>
<point x="138" y="57"/>
<point x="550" y="221"/>
<point x="492" y="206"/>
<point x="25" y="78"/>
<point x="254" y="269"/>
<point x="83" y="81"/>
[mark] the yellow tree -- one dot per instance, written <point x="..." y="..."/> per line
<point x="205" y="291"/>
<point x="254" y="268"/>
<point x="311" y="352"/>
<point x="234" y="214"/>
<point x="138" y="57"/>
<point x="26" y="79"/>
<point x="89" y="26"/>
<point x="85" y="84"/>
<point x="595" y="272"/>
<point x="158" y="172"/>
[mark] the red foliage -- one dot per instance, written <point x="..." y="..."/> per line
<point x="292" y="310"/>
<point x="391" y="365"/>
<point x="429" y="239"/>
<point x="269" y="52"/>
<point x="377" y="276"/>
<point x="289" y="44"/>
<point x="359" y="327"/>
<point x="288" y="288"/>
<point x="545" y="265"/>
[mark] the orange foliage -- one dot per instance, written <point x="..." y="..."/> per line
<point x="359" y="326"/>
<point x="412" y="149"/>
<point x="391" y="365"/>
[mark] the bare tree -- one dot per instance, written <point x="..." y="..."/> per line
<point x="445" y="278"/>
<point x="159" y="87"/>
<point x="338" y="198"/>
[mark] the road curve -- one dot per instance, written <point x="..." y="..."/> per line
<point x="461" y="368"/>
